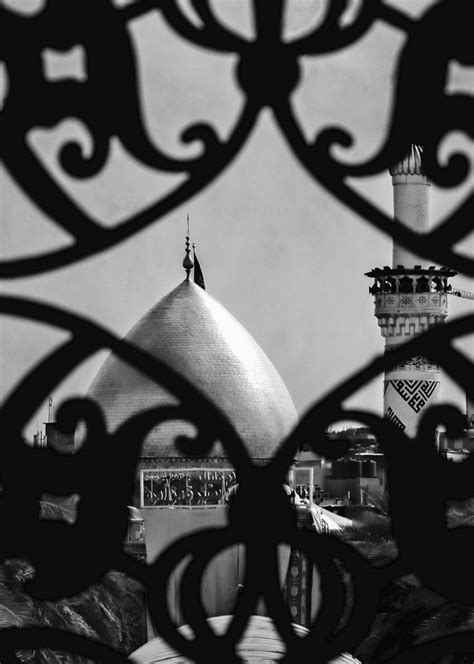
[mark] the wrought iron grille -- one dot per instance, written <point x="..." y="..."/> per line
<point x="268" y="70"/>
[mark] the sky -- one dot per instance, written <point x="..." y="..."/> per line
<point x="278" y="251"/>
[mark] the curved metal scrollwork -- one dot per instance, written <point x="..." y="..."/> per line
<point x="267" y="72"/>
<point x="47" y="544"/>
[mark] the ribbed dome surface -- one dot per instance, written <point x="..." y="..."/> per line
<point x="196" y="336"/>
<point x="412" y="164"/>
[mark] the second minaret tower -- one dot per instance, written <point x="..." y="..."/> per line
<point x="410" y="297"/>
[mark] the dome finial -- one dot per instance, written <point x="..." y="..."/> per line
<point x="188" y="261"/>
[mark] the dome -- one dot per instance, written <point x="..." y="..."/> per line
<point x="197" y="337"/>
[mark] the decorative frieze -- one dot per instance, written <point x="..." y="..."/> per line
<point x="391" y="417"/>
<point x="405" y="398"/>
<point x="397" y="329"/>
<point x="409" y="303"/>
<point x="415" y="393"/>
<point x="416" y="363"/>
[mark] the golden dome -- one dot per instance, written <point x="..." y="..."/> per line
<point x="196" y="336"/>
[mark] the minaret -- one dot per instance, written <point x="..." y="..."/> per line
<point x="410" y="298"/>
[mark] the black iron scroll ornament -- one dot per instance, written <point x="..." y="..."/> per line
<point x="267" y="72"/>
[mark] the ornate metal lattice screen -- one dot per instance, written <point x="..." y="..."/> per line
<point x="268" y="71"/>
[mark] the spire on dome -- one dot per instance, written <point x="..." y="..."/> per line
<point x="188" y="261"/>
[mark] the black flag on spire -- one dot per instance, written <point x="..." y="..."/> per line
<point x="198" y="275"/>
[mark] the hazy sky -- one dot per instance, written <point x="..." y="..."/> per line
<point x="279" y="252"/>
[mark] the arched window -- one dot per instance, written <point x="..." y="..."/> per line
<point x="438" y="284"/>
<point x="406" y="285"/>
<point x="422" y="285"/>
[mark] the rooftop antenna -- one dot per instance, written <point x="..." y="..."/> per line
<point x="188" y="261"/>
